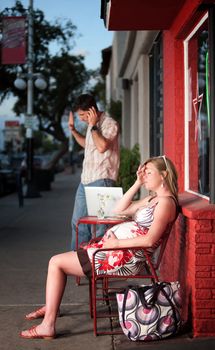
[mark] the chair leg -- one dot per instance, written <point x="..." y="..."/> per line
<point x="78" y="281"/>
<point x="105" y="290"/>
<point x="94" y="306"/>
<point x="90" y="299"/>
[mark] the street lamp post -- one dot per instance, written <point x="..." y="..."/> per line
<point x="32" y="190"/>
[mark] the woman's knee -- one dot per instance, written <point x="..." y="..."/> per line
<point x="55" y="261"/>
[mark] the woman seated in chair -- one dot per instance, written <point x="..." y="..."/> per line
<point x="152" y="220"/>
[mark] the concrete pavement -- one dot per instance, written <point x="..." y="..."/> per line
<point x="29" y="237"/>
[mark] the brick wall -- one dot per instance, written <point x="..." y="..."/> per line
<point x="190" y="253"/>
<point x="173" y="64"/>
<point x="193" y="244"/>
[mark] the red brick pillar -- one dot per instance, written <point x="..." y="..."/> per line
<point x="190" y="258"/>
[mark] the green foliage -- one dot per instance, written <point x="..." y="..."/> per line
<point x="43" y="143"/>
<point x="98" y="90"/>
<point x="129" y="162"/>
<point x="49" y="147"/>
<point x="65" y="73"/>
<point x="115" y="110"/>
<point x="115" y="107"/>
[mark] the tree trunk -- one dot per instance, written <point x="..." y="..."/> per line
<point x="63" y="149"/>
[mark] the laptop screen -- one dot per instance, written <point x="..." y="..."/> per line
<point x="102" y="200"/>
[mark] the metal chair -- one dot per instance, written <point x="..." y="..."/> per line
<point x="94" y="221"/>
<point x="150" y="271"/>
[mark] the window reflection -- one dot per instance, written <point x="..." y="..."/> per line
<point x="199" y="118"/>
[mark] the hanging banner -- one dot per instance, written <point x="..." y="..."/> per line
<point x="13" y="40"/>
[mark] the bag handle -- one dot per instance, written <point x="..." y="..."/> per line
<point x="157" y="288"/>
<point x="141" y="293"/>
<point x="160" y="287"/>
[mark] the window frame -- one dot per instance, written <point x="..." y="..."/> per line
<point x="156" y="132"/>
<point x="186" y="107"/>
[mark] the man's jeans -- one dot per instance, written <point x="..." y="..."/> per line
<point x="80" y="209"/>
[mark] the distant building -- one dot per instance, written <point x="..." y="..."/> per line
<point x="10" y="135"/>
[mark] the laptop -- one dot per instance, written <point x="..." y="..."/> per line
<point x="102" y="200"/>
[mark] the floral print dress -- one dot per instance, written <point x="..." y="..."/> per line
<point x="125" y="262"/>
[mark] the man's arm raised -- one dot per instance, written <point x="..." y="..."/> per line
<point x="79" y="138"/>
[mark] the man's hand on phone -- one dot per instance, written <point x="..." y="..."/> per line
<point x="92" y="116"/>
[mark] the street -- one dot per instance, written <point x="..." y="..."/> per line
<point x="29" y="237"/>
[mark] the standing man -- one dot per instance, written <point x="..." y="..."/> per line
<point x="101" y="158"/>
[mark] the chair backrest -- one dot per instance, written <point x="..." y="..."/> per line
<point x="161" y="249"/>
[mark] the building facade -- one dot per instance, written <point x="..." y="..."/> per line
<point x="165" y="78"/>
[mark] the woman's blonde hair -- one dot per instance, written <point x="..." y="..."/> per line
<point x="164" y="164"/>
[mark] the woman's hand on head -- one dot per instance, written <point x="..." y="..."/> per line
<point x="140" y="173"/>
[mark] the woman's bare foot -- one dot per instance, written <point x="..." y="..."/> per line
<point x="39" y="313"/>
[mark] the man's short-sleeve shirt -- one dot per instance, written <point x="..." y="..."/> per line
<point x="98" y="165"/>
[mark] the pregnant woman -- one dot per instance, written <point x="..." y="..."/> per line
<point x="152" y="218"/>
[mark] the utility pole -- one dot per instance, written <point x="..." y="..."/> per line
<point x="32" y="190"/>
<point x="40" y="83"/>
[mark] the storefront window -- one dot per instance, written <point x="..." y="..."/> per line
<point x="156" y="97"/>
<point x="198" y="117"/>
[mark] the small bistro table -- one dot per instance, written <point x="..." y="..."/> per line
<point x="94" y="221"/>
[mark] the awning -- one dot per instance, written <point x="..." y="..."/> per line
<point x="139" y="14"/>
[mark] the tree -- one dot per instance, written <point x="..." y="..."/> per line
<point x="65" y="74"/>
<point x="98" y="88"/>
<point x="114" y="108"/>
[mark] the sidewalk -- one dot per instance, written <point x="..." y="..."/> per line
<point x="29" y="237"/>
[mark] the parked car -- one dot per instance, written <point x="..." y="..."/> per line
<point x="16" y="160"/>
<point x="7" y="176"/>
<point x="19" y="160"/>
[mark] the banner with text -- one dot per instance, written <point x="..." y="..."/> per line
<point x="13" y="40"/>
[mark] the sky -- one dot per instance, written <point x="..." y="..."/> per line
<point x="92" y="36"/>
